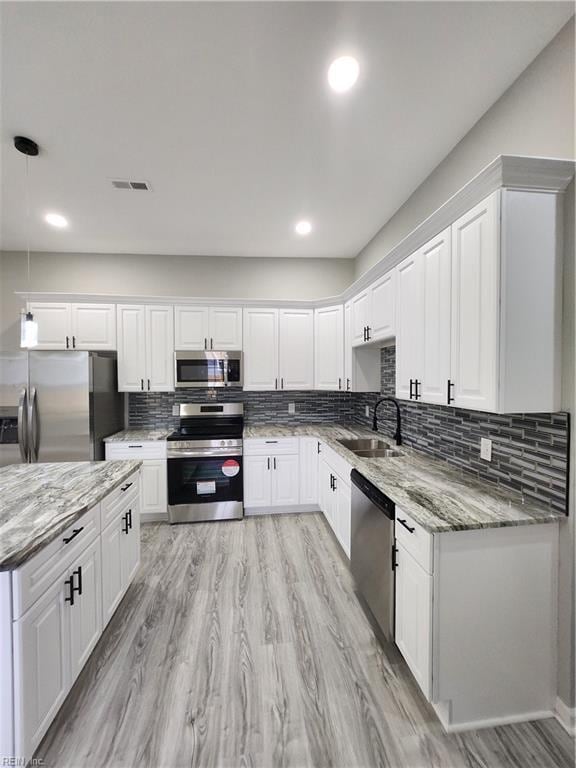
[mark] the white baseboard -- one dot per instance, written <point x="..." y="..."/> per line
<point x="566" y="716"/>
<point x="491" y="722"/>
<point x="153" y="517"/>
<point x="290" y="510"/>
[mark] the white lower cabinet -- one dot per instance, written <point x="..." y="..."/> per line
<point x="153" y="474"/>
<point x="309" y="453"/>
<point x="271" y="474"/>
<point x="335" y="495"/>
<point x="54" y="637"/>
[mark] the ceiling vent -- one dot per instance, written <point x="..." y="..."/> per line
<point x="126" y="184"/>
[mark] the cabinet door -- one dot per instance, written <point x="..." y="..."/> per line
<point x="360" y="317"/>
<point x="309" y="470"/>
<point x="329" y="348"/>
<point x="225" y="328"/>
<point x="260" y="349"/>
<point x="296" y="348"/>
<point x="131" y="347"/>
<point x="285" y="480"/>
<point x="41" y="666"/>
<point x="383" y="304"/>
<point x="348" y="353"/>
<point x="475" y="259"/>
<point x="257" y="481"/>
<point x="54" y="324"/>
<point x="191" y="327"/>
<point x="154" y="487"/>
<point x="86" y="613"/>
<point x="343" y="513"/>
<point x="131" y="545"/>
<point x="113" y="586"/>
<point x="436" y="277"/>
<point x="159" y="349"/>
<point x="326" y="493"/>
<point x="414" y="617"/>
<point x="94" y="326"/>
<point x="409" y="325"/>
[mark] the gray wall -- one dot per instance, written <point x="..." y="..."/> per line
<point x="535" y="116"/>
<point x="150" y="275"/>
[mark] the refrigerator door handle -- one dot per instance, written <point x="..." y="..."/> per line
<point x="22" y="425"/>
<point x="33" y="433"/>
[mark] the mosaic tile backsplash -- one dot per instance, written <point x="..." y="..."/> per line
<point x="529" y="452"/>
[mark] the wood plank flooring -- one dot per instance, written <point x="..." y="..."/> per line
<point x="243" y="644"/>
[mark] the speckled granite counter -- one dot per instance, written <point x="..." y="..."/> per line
<point x="138" y="435"/>
<point x="38" y="501"/>
<point x="439" y="497"/>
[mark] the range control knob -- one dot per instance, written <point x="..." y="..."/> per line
<point x="222" y="442"/>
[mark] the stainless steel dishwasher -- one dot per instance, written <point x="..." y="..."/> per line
<point x="372" y="555"/>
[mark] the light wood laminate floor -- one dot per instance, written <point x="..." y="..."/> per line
<point x="243" y="644"/>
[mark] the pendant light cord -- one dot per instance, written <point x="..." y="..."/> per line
<point x="27" y="195"/>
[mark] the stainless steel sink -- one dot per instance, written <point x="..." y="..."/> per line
<point x="365" y="444"/>
<point x="370" y="448"/>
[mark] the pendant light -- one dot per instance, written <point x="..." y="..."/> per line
<point x="28" y="326"/>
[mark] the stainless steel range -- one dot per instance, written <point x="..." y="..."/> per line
<point x="205" y="463"/>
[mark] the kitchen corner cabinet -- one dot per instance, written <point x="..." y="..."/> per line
<point x="329" y="348"/>
<point x="361" y="365"/>
<point x="278" y="349"/>
<point x="490" y="284"/>
<point x="373" y="312"/>
<point x="476" y="620"/>
<point x="201" y="328"/>
<point x="75" y="326"/>
<point x="145" y="348"/>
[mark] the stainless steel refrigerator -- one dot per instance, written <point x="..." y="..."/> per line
<point x="57" y="406"/>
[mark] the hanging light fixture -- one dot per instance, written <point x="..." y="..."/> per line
<point x="28" y="326"/>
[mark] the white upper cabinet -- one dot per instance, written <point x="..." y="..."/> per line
<point x="329" y="348"/>
<point x="198" y="328"/>
<point x="260" y="349"/>
<point x="409" y="326"/>
<point x="361" y="365"/>
<point x="436" y="277"/>
<point x="75" y="326"/>
<point x="191" y="328"/>
<point x="382" y="305"/>
<point x="296" y="349"/>
<point x="145" y="348"/>
<point x="360" y="317"/>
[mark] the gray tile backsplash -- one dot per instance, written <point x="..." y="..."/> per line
<point x="529" y="452"/>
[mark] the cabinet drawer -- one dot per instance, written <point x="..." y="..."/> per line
<point x="114" y="504"/>
<point x="148" y="449"/>
<point x="36" y="575"/>
<point x="271" y="445"/>
<point x="417" y="541"/>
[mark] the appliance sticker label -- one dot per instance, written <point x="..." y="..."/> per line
<point x="205" y="486"/>
<point x="230" y="468"/>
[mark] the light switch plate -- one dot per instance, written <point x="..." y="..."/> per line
<point x="486" y="449"/>
<point x="291" y="407"/>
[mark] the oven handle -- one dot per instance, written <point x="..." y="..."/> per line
<point x="198" y="454"/>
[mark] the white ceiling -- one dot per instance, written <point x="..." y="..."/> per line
<point x="225" y="110"/>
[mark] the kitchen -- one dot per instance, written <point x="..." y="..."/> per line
<point x="287" y="476"/>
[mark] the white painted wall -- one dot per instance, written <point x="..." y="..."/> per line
<point x="156" y="275"/>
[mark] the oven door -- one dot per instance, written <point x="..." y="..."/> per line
<point x="208" y="369"/>
<point x="205" y="488"/>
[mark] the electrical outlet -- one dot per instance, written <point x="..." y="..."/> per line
<point x="367" y="411"/>
<point x="485" y="449"/>
<point x="291" y="407"/>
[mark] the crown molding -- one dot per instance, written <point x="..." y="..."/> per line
<point x="536" y="174"/>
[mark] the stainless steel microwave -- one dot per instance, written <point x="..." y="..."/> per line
<point x="208" y="369"/>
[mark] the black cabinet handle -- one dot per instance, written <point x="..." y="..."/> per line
<point x="405" y="524"/>
<point x="274" y="462"/>
<point x="205" y="343"/>
<point x="318" y="450"/>
<point x="332" y="479"/>
<point x="148" y="385"/>
<point x="268" y="462"/>
<point x="347" y="385"/>
<point x="78" y="573"/>
<point x="125" y="523"/>
<point x="334" y="483"/>
<point x="67" y="342"/>
<point x="411" y="385"/>
<point x="394" y="561"/>
<point x="269" y="442"/>
<point x="74" y="341"/>
<point x="125" y="488"/>
<point x="75" y="532"/>
<point x="275" y="383"/>
<point x="129" y="520"/>
<point x="211" y="343"/>
<point x="417" y="394"/>
<point x="282" y="383"/>
<point x="339" y="383"/>
<point x="449" y="399"/>
<point x="142" y="384"/>
<point x="70" y="597"/>
<point x="364" y="333"/>
<point x="368" y="329"/>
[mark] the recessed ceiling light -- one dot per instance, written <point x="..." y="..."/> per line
<point x="303" y="228"/>
<point x="56" y="220"/>
<point x="343" y="73"/>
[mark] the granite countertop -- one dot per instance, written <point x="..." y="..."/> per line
<point x="138" y="435"/>
<point x="439" y="497"/>
<point x="39" y="501"/>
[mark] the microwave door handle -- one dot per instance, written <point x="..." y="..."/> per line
<point x="22" y="425"/>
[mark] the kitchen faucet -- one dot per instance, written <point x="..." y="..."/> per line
<point x="398" y="433"/>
